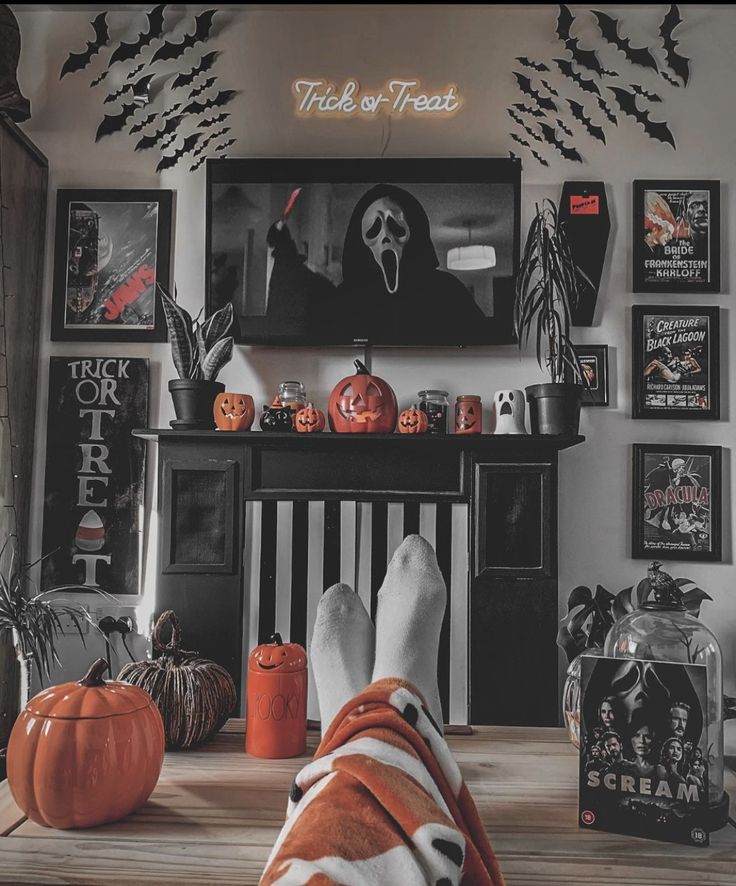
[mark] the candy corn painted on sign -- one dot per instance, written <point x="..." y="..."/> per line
<point x="94" y="472"/>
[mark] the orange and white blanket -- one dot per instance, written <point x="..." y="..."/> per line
<point x="383" y="803"/>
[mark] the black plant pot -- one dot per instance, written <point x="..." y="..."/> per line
<point x="554" y="408"/>
<point x="193" y="402"/>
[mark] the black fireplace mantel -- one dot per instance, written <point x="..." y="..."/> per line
<point x="507" y="482"/>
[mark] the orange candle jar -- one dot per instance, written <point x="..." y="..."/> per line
<point x="468" y="414"/>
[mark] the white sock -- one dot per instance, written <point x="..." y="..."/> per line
<point x="341" y="651"/>
<point x="411" y="606"/>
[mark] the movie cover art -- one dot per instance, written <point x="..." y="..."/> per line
<point x="643" y="752"/>
<point x="676" y="371"/>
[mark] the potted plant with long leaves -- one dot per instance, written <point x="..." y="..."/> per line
<point x="548" y="288"/>
<point x="199" y="350"/>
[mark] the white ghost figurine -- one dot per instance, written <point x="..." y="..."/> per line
<point x="508" y="412"/>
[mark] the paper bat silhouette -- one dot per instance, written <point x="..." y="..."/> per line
<point x="216" y="119"/>
<point x="670" y="79"/>
<point x="98" y="80"/>
<point x="197" y="164"/>
<point x="567" y="69"/>
<point x="609" y="31"/>
<point x="169" y="160"/>
<point x="528" y="63"/>
<point x="639" y="90"/>
<point x="528" y="109"/>
<point x="225" y="145"/>
<point x="222" y="98"/>
<point x="564" y="128"/>
<point x="606" y="110"/>
<point x="676" y="62"/>
<point x="586" y="58"/>
<point x="115" y="122"/>
<point x="526" y="87"/>
<point x="198" y="90"/>
<point x="137" y="69"/>
<point x="550" y="89"/>
<point x="172" y="110"/>
<point x="210" y="138"/>
<point x="126" y="51"/>
<point x="137" y="127"/>
<point x="202" y="28"/>
<point x="578" y="112"/>
<point x="520" y="140"/>
<point x="139" y="90"/>
<point x="539" y="157"/>
<point x="77" y="61"/>
<point x="551" y="136"/>
<point x="520" y="120"/>
<point x="149" y="141"/>
<point x="204" y="64"/>
<point x="627" y="103"/>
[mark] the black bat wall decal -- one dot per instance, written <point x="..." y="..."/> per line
<point x="520" y="120"/>
<point x="670" y="79"/>
<point x="609" y="31"/>
<point x="526" y="87"/>
<point x="586" y="58"/>
<point x="150" y="141"/>
<point x="551" y="136"/>
<point x="98" y="80"/>
<point x="550" y="89"/>
<point x="77" y="61"/>
<point x="169" y="160"/>
<point x="204" y="64"/>
<point x="137" y="127"/>
<point x="564" y="128"/>
<point x="528" y="109"/>
<point x="203" y="87"/>
<point x="627" y="103"/>
<point x="676" y="62"/>
<point x="172" y="110"/>
<point x="578" y="112"/>
<point x="126" y="51"/>
<point x="528" y="63"/>
<point x="136" y="70"/>
<point x="225" y="145"/>
<point x="639" y="90"/>
<point x="606" y="110"/>
<point x="210" y="138"/>
<point x="217" y="119"/>
<point x="520" y="140"/>
<point x="202" y="28"/>
<point x="567" y="69"/>
<point x="139" y="91"/>
<point x="197" y="164"/>
<point x="539" y="157"/>
<point x="115" y="122"/>
<point x="222" y="98"/>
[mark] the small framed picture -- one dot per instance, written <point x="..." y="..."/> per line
<point x="677" y="236"/>
<point x="111" y="249"/>
<point x="675" y="353"/>
<point x="676" y="502"/>
<point x="594" y="364"/>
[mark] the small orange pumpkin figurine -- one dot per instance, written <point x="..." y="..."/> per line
<point x="413" y="421"/>
<point x="234" y="412"/>
<point x="83" y="754"/>
<point x="309" y="420"/>
<point x="276" y="707"/>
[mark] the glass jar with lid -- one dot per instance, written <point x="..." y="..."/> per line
<point x="293" y="395"/>
<point x="436" y="406"/>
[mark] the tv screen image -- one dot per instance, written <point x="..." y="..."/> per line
<point x="351" y="252"/>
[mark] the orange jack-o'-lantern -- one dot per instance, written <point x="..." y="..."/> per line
<point x="468" y="414"/>
<point x="309" y="420"/>
<point x="413" y="421"/>
<point x="276" y="702"/>
<point x="234" y="412"/>
<point x="362" y="404"/>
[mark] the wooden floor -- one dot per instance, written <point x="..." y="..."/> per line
<point x="216" y="812"/>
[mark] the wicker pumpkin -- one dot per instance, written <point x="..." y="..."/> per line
<point x="195" y="695"/>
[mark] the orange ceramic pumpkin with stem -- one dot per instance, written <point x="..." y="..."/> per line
<point x="309" y="420"/>
<point x="413" y="421"/>
<point x="83" y="754"/>
<point x="234" y="412"/>
<point x="362" y="404"/>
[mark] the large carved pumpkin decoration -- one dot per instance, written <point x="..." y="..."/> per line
<point x="195" y="695"/>
<point x="234" y="412"/>
<point x="309" y="420"/>
<point x="362" y="404"/>
<point x="413" y="421"/>
<point x="83" y="754"/>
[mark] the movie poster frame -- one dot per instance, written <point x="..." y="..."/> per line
<point x="601" y="396"/>
<point x="713" y="186"/>
<point x="638" y="552"/>
<point x="638" y="408"/>
<point x="97" y="333"/>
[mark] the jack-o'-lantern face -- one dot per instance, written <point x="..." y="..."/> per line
<point x="362" y="404"/>
<point x="413" y="421"/>
<point x="233" y="412"/>
<point x="361" y="400"/>
<point x="277" y="656"/>
<point x="309" y="420"/>
<point x="385" y="232"/>
<point x="468" y="416"/>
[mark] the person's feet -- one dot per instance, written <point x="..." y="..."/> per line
<point x="341" y="652"/>
<point x="411" y="606"/>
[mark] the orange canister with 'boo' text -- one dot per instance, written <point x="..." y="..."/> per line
<point x="276" y="701"/>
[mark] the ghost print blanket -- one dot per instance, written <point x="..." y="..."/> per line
<point x="383" y="803"/>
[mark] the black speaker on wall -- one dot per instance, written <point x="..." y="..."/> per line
<point x="584" y="210"/>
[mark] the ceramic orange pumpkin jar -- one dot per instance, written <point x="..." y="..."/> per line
<point x="234" y="412"/>
<point x="362" y="404"/>
<point x="86" y="753"/>
<point x="309" y="420"/>
<point x="413" y="421"/>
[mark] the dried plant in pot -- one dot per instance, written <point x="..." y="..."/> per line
<point x="199" y="350"/>
<point x="548" y="288"/>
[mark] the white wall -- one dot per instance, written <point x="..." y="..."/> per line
<point x="473" y="46"/>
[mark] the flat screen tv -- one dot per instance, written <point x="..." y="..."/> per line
<point x="365" y="251"/>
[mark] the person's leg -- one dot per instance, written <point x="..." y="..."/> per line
<point x="411" y="606"/>
<point x="341" y="651"/>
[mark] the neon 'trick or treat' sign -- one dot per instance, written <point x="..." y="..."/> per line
<point x="320" y="98"/>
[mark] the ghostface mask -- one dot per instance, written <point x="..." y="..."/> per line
<point x="385" y="232"/>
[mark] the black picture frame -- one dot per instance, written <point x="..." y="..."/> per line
<point x="238" y="218"/>
<point x="666" y="239"/>
<point x="116" y="302"/>
<point x="672" y="517"/>
<point x="595" y="357"/>
<point x="675" y="370"/>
